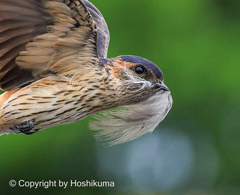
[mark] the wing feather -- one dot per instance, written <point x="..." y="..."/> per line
<point x="37" y="36"/>
<point x="103" y="35"/>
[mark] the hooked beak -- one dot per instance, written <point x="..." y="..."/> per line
<point x="162" y="86"/>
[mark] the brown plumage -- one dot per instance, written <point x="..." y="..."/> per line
<point x="54" y="67"/>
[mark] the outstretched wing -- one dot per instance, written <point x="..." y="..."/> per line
<point x="103" y="35"/>
<point x="42" y="37"/>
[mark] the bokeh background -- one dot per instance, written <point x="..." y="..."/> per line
<point x="195" y="150"/>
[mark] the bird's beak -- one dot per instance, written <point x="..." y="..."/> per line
<point x="162" y="86"/>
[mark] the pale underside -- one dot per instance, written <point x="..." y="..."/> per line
<point x="126" y="123"/>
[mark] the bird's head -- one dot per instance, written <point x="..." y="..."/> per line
<point x="140" y="76"/>
<point x="144" y="100"/>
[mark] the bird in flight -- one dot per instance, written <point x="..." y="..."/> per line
<point x="54" y="70"/>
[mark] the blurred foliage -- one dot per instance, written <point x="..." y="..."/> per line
<point x="197" y="45"/>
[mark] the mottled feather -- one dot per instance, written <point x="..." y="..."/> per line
<point x="39" y="36"/>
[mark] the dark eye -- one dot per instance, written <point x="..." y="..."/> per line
<point x="140" y="69"/>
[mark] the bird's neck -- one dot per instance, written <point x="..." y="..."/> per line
<point x="100" y="90"/>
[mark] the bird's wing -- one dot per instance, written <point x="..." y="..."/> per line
<point x="42" y="37"/>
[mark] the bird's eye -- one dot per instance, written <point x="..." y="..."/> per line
<point x="139" y="69"/>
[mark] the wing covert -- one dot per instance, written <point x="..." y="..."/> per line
<point x="42" y="37"/>
<point x="103" y="35"/>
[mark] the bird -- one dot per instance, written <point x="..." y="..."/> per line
<point x="54" y="70"/>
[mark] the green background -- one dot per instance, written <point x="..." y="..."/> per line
<point x="196" y="44"/>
